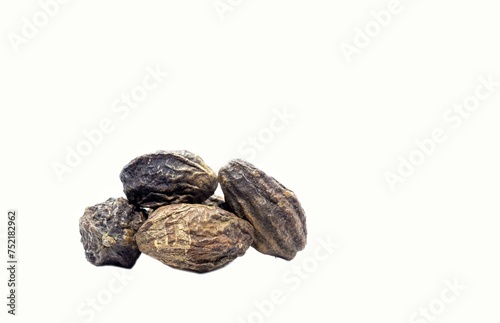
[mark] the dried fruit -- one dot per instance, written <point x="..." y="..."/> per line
<point x="194" y="237"/>
<point x="167" y="177"/>
<point x="274" y="211"/>
<point x="108" y="230"/>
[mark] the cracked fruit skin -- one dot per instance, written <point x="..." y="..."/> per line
<point x="274" y="211"/>
<point x="167" y="177"/>
<point x="108" y="233"/>
<point x="194" y="237"/>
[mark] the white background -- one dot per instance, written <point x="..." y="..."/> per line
<point x="227" y="80"/>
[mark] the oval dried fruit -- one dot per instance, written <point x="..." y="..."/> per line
<point x="167" y="177"/>
<point x="194" y="237"/>
<point x="107" y="232"/>
<point x="274" y="211"/>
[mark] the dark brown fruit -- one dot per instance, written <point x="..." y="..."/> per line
<point x="194" y="237"/>
<point x="274" y="211"/>
<point x="108" y="230"/>
<point x="167" y="177"/>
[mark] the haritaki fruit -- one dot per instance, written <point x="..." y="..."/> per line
<point x="194" y="237"/>
<point x="167" y="177"/>
<point x="274" y="211"/>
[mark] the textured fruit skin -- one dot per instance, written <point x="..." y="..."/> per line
<point x="194" y="237"/>
<point x="274" y="211"/>
<point x="108" y="233"/>
<point x="167" y="177"/>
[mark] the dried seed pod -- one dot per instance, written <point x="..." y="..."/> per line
<point x="108" y="230"/>
<point x="277" y="217"/>
<point x="167" y="177"/>
<point x="218" y="201"/>
<point x="194" y="237"/>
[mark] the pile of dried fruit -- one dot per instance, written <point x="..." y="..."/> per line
<point x="172" y="215"/>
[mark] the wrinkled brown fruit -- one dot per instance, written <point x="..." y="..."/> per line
<point x="167" y="177"/>
<point x="107" y="230"/>
<point x="274" y="211"/>
<point x="194" y="237"/>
